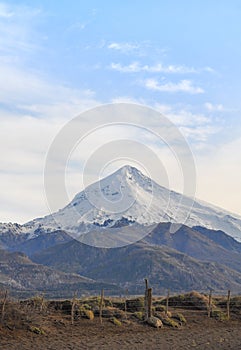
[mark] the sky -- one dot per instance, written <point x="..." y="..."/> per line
<point x="61" y="58"/>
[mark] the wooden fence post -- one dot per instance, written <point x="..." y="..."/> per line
<point x="126" y="296"/>
<point x="73" y="308"/>
<point x="101" y="304"/>
<point x="149" y="302"/>
<point x="228" y="305"/>
<point x="42" y="303"/>
<point x="210" y="303"/>
<point x="167" y="301"/>
<point x="146" y="299"/>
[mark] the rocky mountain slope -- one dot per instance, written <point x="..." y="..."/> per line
<point x="198" y="245"/>
<point x="18" y="272"/>
<point x="128" y="266"/>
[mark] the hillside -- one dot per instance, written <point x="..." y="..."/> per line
<point x="220" y="238"/>
<point x="18" y="272"/>
<point x="128" y="266"/>
<point x="199" y="244"/>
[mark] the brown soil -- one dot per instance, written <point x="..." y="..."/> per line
<point x="200" y="332"/>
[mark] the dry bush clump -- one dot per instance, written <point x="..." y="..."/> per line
<point x="180" y="318"/>
<point x="87" y="314"/>
<point x="95" y="301"/>
<point x="135" y="305"/>
<point x="193" y="300"/>
<point x="119" y="304"/>
<point x="39" y="302"/>
<point x="235" y="305"/>
<point x="19" y="316"/>
<point x="139" y="315"/>
<point x="108" y="312"/>
<point x="115" y="321"/>
<point x="219" y="315"/>
<point x="170" y="322"/>
<point x="36" y="330"/>
<point x="158" y="305"/>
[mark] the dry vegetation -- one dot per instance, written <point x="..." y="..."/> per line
<point x="116" y="323"/>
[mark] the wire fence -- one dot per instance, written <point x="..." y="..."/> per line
<point x="193" y="304"/>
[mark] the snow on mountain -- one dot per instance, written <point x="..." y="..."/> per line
<point x="12" y="227"/>
<point x="128" y="195"/>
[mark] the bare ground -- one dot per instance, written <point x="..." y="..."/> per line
<point x="200" y="332"/>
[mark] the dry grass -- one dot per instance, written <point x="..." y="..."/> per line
<point x="38" y="312"/>
<point x="193" y="300"/>
<point x="50" y="327"/>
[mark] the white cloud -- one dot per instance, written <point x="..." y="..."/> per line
<point x="183" y="117"/>
<point x="164" y="108"/>
<point x="214" y="107"/>
<point x="33" y="109"/>
<point x="36" y="107"/>
<point x="182" y="86"/>
<point x="196" y="127"/>
<point x="219" y="175"/>
<point x="30" y="92"/>
<point x="17" y="34"/>
<point x="128" y="99"/>
<point x="200" y="133"/>
<point x="24" y="143"/>
<point x="136" y="67"/>
<point x="123" y="47"/>
<point x="209" y="69"/>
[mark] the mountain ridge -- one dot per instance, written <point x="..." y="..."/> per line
<point x="129" y="194"/>
<point x="184" y="260"/>
<point x="165" y="267"/>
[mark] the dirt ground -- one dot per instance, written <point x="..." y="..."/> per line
<point x="200" y="332"/>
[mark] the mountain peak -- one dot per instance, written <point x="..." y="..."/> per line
<point x="127" y="168"/>
<point x="130" y="196"/>
<point x="128" y="171"/>
<point x="127" y="176"/>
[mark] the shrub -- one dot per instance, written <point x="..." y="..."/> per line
<point x="135" y="305"/>
<point x="219" y="315"/>
<point x="139" y="315"/>
<point x="180" y="318"/>
<point x="86" y="306"/>
<point x="170" y="322"/>
<point x="119" y="304"/>
<point x="36" y="330"/>
<point x="115" y="321"/>
<point x="88" y="314"/>
<point x="38" y="302"/>
<point x="159" y="306"/>
<point x="193" y="299"/>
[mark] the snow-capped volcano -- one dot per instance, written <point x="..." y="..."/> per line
<point x="129" y="196"/>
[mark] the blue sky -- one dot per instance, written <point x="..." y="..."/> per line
<point x="58" y="58"/>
